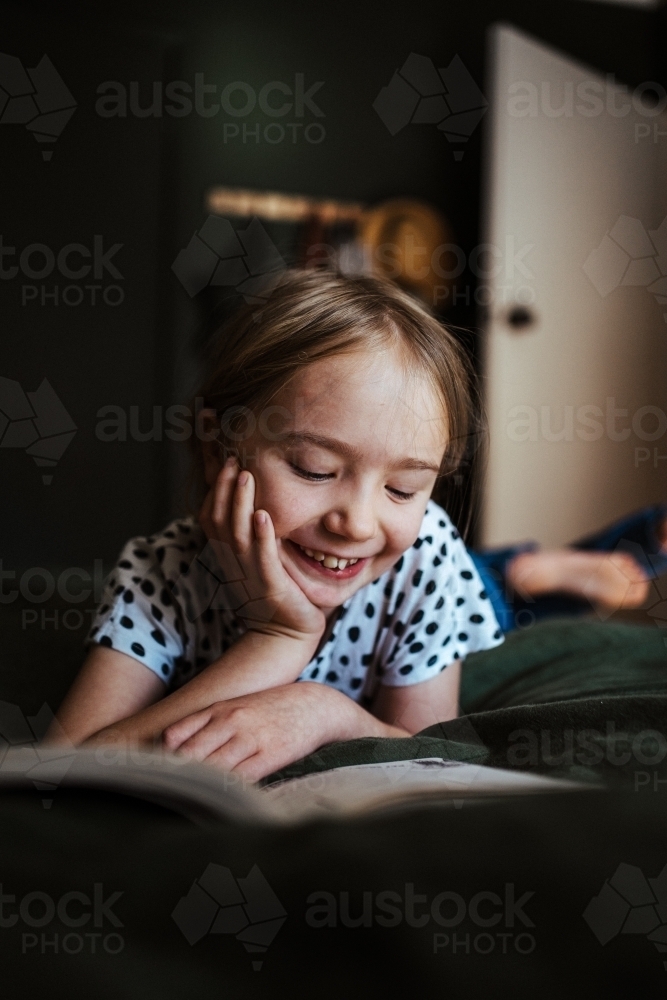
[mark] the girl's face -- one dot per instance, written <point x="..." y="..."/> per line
<point x="348" y="481"/>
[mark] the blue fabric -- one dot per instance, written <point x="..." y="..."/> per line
<point x="634" y="534"/>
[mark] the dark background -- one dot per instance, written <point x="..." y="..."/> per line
<point x="141" y="182"/>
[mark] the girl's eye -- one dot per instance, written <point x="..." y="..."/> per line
<point x="400" y="494"/>
<point x="317" y="477"/>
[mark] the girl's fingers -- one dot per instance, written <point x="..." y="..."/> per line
<point x="210" y="738"/>
<point x="243" y="506"/>
<point x="175" y="735"/>
<point x="270" y="567"/>
<point x="236" y="751"/>
<point x="223" y="493"/>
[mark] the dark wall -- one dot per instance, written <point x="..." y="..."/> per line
<point x="139" y="181"/>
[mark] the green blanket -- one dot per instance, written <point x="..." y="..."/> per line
<point x="577" y="699"/>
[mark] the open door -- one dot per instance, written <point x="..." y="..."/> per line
<point x="575" y="355"/>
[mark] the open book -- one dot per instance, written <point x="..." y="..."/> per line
<point x="204" y="794"/>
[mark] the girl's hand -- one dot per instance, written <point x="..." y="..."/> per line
<point x="255" y="585"/>
<point x="259" y="733"/>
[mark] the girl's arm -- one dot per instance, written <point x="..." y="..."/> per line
<point x="118" y="698"/>
<point x="261" y="733"/>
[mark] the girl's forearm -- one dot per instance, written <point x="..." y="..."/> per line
<point x="345" y="719"/>
<point x="254" y="663"/>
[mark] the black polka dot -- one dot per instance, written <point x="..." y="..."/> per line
<point x="332" y="676"/>
<point x="399" y="628"/>
<point x="159" y="553"/>
<point x="432" y="660"/>
<point x="353" y="633"/>
<point x="483" y="595"/>
<point x="140" y="554"/>
<point x="165" y="669"/>
<point x="429" y="539"/>
<point x="119" y="589"/>
<point x="417" y="617"/>
<point x="315" y="672"/>
<point x="455" y="534"/>
<point x="136" y="579"/>
<point x="418" y="544"/>
<point x="410" y="637"/>
<point x="399" y="601"/>
<point x="105" y="607"/>
<point x="416" y="579"/>
<point x="460" y="601"/>
<point x="497" y="634"/>
<point x="457" y="655"/>
<point x="165" y="597"/>
<point x="369" y="610"/>
<point x="431" y="628"/>
<point x="148" y="588"/>
<point x="128" y="597"/>
<point x="356" y="683"/>
<point x="125" y="563"/>
<point x="416" y="647"/>
<point x="441" y="523"/>
<point x="366" y="659"/>
<point x="137" y="648"/>
<point x="466" y="574"/>
<point x="169" y="534"/>
<point x="399" y="565"/>
<point x="443" y="549"/>
<point x="345" y="660"/>
<point x="476" y="619"/>
<point x="445" y="641"/>
<point x="463" y="636"/>
<point x="156" y="613"/>
<point x="104" y="640"/>
<point x="430" y="587"/>
<point x="406" y="669"/>
<point x="437" y="561"/>
<point x="126" y="622"/>
<point x="440" y="603"/>
<point x="158" y="636"/>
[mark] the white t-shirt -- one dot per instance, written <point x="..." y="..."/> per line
<point x="164" y="606"/>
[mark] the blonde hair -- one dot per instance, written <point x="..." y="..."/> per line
<point x="314" y="314"/>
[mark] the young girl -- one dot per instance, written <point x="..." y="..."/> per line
<point x="318" y="556"/>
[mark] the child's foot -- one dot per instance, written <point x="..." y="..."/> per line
<point x="607" y="579"/>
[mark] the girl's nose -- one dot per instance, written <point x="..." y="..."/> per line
<point x="355" y="521"/>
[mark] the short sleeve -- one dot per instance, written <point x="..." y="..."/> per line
<point x="439" y="611"/>
<point x="139" y="615"/>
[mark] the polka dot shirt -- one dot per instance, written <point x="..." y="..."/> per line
<point x="165" y="605"/>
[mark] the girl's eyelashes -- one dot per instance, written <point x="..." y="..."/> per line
<point x="400" y="494"/>
<point x="320" y="477"/>
<point x="317" y="477"/>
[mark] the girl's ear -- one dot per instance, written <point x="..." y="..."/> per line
<point x="208" y="432"/>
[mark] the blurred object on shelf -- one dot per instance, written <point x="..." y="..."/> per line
<point x="279" y="207"/>
<point x="401" y="239"/>
<point x="405" y="240"/>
